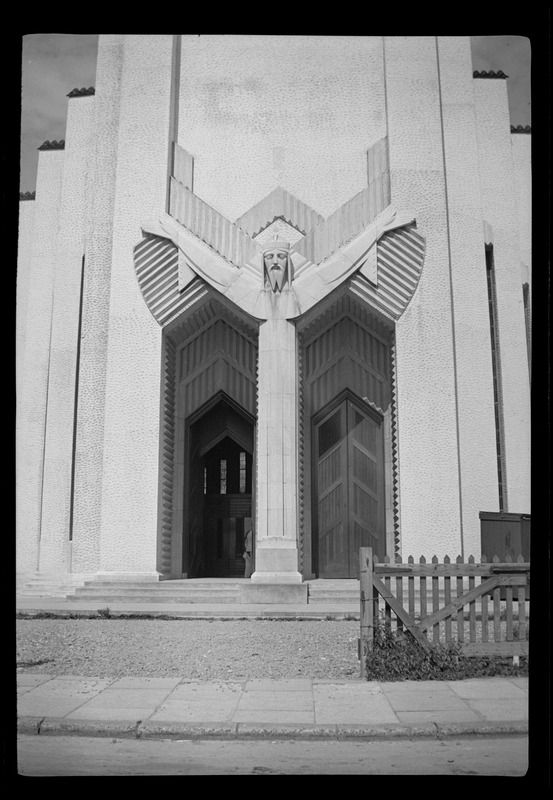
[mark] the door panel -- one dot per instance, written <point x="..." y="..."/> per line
<point x="224" y="531"/>
<point x="195" y="564"/>
<point x="350" y="489"/>
<point x="332" y="493"/>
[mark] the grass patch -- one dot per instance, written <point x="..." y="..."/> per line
<point x="397" y="657"/>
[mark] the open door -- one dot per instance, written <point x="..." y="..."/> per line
<point x="220" y="447"/>
<point x="349" y="488"/>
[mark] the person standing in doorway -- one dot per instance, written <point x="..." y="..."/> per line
<point x="248" y="544"/>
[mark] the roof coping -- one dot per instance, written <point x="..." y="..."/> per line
<point x="489" y="74"/>
<point x="82" y="92"/>
<point x="521" y="129"/>
<point x="52" y="145"/>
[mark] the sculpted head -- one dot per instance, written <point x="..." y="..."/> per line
<point x="276" y="264"/>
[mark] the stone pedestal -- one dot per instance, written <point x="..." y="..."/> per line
<point x="276" y="554"/>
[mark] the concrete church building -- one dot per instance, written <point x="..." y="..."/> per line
<point x="278" y="283"/>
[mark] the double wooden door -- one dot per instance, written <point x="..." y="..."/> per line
<point x="349" y="489"/>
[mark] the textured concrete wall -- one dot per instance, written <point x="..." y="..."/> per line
<point x="132" y="401"/>
<point x="87" y="507"/>
<point x="472" y="349"/>
<point x="521" y="144"/>
<point x="427" y="424"/>
<point x="24" y="254"/>
<point x="25" y="560"/>
<point x="35" y="359"/>
<point x="500" y="212"/>
<point x="522" y="165"/>
<point x="58" y="449"/>
<point x="261" y="111"/>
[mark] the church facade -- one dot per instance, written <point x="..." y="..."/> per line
<point x="273" y="284"/>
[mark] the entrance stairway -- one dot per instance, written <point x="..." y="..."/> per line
<point x="204" y="590"/>
<point x="200" y="590"/>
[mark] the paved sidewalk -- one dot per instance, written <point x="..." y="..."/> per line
<point x="286" y="709"/>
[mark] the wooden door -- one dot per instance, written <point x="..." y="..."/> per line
<point x="193" y="561"/>
<point x="366" y="518"/>
<point x="331" y="441"/>
<point x="349" y="489"/>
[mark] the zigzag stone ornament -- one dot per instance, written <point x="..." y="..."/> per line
<point x="277" y="282"/>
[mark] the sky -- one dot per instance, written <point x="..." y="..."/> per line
<point x="55" y="64"/>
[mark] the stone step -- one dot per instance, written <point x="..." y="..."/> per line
<point x="330" y="597"/>
<point x="172" y="586"/>
<point x="231" y="599"/>
<point x="136" y="592"/>
<point x="159" y="593"/>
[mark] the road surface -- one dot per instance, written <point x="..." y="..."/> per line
<point x="76" y="755"/>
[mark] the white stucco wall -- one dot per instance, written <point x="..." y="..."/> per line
<point x="426" y="408"/>
<point x="58" y="449"/>
<point x="521" y="144"/>
<point x="257" y="112"/>
<point x="87" y="508"/>
<point x="24" y="254"/>
<point x="131" y="429"/>
<point x="472" y="348"/>
<point x="500" y="211"/>
<point x="35" y="360"/>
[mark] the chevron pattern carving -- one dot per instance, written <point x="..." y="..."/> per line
<point x="346" y="350"/>
<point x="301" y="469"/>
<point x="213" y="228"/>
<point x="222" y="358"/>
<point x="349" y="220"/>
<point x="400" y="256"/>
<point x="395" y="453"/>
<point x="183" y="167"/>
<point x="345" y="347"/>
<point x="225" y="358"/>
<point x="167" y="460"/>
<point x="156" y="263"/>
<point x="278" y="204"/>
<point x="322" y="237"/>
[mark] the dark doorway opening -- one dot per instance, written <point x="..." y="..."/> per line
<point x="219" y="488"/>
<point x="349" y="496"/>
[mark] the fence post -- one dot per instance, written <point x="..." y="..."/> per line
<point x="367" y="606"/>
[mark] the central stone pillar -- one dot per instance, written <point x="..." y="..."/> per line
<point x="276" y="553"/>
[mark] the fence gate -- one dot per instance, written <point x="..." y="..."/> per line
<point x="482" y="606"/>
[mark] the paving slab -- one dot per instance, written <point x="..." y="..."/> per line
<point x="122" y="704"/>
<point x="521" y="683"/>
<point x="485" y="688"/>
<point x="282" y="700"/>
<point x="59" y="696"/>
<point x="145" y="683"/>
<point x="417" y="686"/>
<point x="196" y="702"/>
<point x="426" y="701"/>
<point x="291" y="685"/>
<point x="30" y="680"/>
<point x="437" y="716"/>
<point x="501" y="709"/>
<point x="343" y="704"/>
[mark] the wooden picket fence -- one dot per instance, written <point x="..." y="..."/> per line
<point x="487" y="614"/>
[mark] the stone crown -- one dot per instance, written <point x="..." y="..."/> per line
<point x="278" y="244"/>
